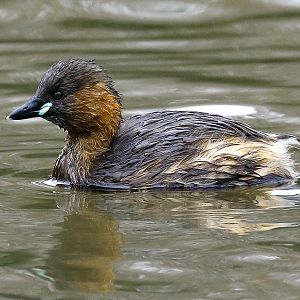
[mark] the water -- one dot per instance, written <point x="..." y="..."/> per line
<point x="239" y="58"/>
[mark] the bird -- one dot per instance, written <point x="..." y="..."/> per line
<point x="161" y="150"/>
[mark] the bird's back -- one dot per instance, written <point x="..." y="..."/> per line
<point x="191" y="150"/>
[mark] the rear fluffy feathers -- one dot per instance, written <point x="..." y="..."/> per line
<point x="236" y="161"/>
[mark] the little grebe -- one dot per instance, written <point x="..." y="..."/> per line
<point x="159" y="150"/>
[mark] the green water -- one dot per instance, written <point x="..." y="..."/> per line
<point x="239" y="58"/>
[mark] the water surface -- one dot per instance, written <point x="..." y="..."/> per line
<point x="238" y="58"/>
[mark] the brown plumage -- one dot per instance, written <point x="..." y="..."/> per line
<point x="160" y="150"/>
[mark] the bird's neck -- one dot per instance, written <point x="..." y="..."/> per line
<point x="84" y="149"/>
<point x="79" y="155"/>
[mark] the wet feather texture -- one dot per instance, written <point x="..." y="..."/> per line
<point x="191" y="150"/>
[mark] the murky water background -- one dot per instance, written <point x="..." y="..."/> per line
<point x="57" y="244"/>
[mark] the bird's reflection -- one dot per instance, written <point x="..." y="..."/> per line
<point x="88" y="245"/>
<point x="90" y="241"/>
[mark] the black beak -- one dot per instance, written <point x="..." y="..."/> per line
<point x="30" y="109"/>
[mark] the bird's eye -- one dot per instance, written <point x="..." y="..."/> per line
<point x="57" y="95"/>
